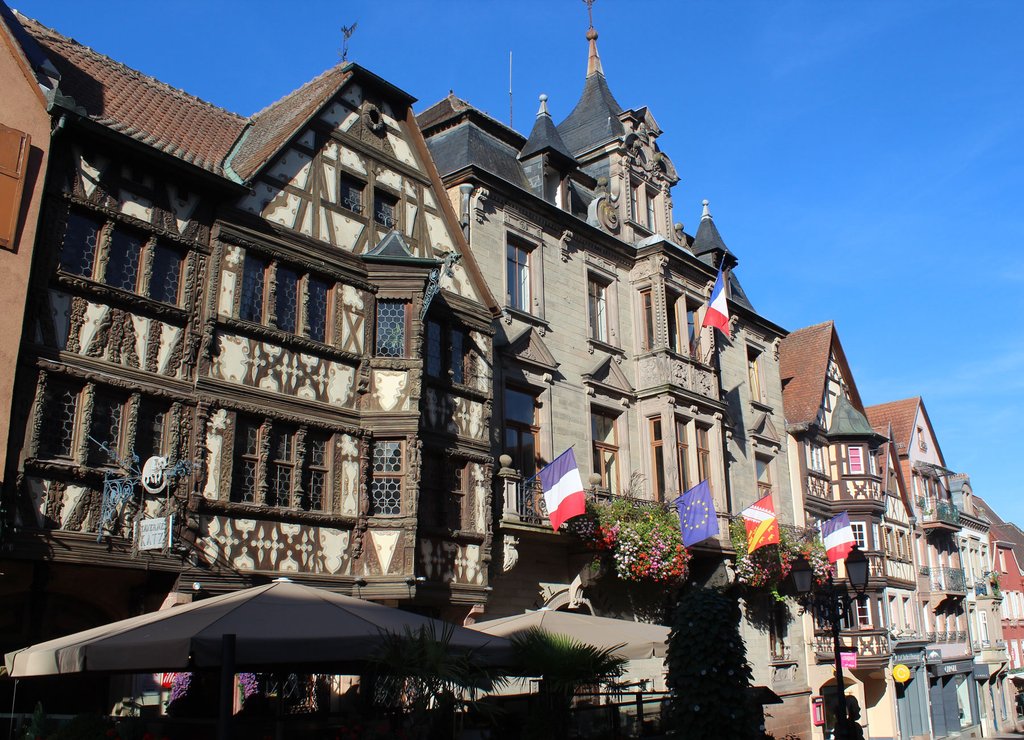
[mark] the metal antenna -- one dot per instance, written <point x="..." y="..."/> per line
<point x="346" y="32"/>
<point x="510" y="88"/>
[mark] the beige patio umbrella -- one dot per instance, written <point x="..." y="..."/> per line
<point x="279" y="624"/>
<point x="638" y="640"/>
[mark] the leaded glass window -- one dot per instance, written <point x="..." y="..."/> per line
<point x="123" y="263"/>
<point x="281" y="470"/>
<point x="149" y="431"/>
<point x="385" y="209"/>
<point x="386" y="483"/>
<point x="432" y="350"/>
<point x="165" y="275"/>
<point x="81" y="237"/>
<point x="251" y="308"/>
<point x="105" y="427"/>
<point x="317" y="309"/>
<point x="318" y="454"/>
<point x="286" y="304"/>
<point x="244" y="476"/>
<point x="391" y="328"/>
<point x="58" y="428"/>
<point x="457" y="357"/>
<point x="351" y="194"/>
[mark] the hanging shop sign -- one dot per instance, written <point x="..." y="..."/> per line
<point x="154" y="534"/>
<point x="900" y="673"/>
<point x="847" y="659"/>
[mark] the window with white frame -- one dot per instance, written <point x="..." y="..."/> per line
<point x="518" y="288"/>
<point x="597" y="308"/>
<point x="860" y="534"/>
<point x="815" y="457"/>
<point x="855" y="459"/>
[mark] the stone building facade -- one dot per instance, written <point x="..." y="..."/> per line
<point x="600" y="348"/>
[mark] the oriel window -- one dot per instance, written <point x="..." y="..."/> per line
<point x="81" y="243"/>
<point x="386" y="480"/>
<point x="391" y="322"/>
<point x="123" y="261"/>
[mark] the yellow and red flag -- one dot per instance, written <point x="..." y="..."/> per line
<point x="762" y="524"/>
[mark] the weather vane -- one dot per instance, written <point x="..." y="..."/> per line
<point x="590" y="11"/>
<point x="346" y="32"/>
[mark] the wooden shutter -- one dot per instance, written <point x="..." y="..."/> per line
<point x="14" y="147"/>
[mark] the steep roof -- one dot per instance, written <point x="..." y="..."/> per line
<point x="467" y="144"/>
<point x="847" y="421"/>
<point x="595" y="119"/>
<point x="900" y="414"/>
<point x="803" y="367"/>
<point x="544" y="137"/>
<point x="137" y="105"/>
<point x="708" y="240"/>
<point x="275" y="124"/>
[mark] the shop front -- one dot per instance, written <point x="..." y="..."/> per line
<point x="953" y="692"/>
<point x="909" y="675"/>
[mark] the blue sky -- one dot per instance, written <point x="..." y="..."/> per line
<point x="863" y="159"/>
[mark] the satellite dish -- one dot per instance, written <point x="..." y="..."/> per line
<point x="153" y="478"/>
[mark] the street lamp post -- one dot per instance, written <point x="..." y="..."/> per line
<point x="833" y="604"/>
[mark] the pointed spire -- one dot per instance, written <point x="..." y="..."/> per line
<point x="593" y="58"/>
<point x="544" y="137"/>
<point x="707" y="212"/>
<point x="709" y="241"/>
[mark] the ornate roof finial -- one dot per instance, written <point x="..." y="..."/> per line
<point x="707" y="212"/>
<point x="543" y="111"/>
<point x="593" y="60"/>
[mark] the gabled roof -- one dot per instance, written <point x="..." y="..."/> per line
<point x="595" y="119"/>
<point x="529" y="348"/>
<point x="900" y="414"/>
<point x="803" y="368"/>
<point x="544" y="137"/>
<point x="137" y="105"/>
<point x="274" y="125"/>
<point x="607" y="376"/>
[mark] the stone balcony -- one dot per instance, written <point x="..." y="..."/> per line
<point x="663" y="370"/>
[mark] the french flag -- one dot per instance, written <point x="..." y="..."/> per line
<point x="717" y="314"/>
<point x="838" y="536"/>
<point x="563" y="489"/>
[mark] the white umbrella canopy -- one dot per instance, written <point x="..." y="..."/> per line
<point x="640" y="640"/>
<point x="279" y="624"/>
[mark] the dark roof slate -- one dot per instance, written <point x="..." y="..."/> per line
<point x="137" y="105"/>
<point x="595" y="119"/>
<point x="466" y="144"/>
<point x="708" y="240"/>
<point x="544" y="137"/>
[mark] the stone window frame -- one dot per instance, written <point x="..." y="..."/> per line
<point x="597" y="449"/>
<point x="533" y="245"/>
<point x="594" y="273"/>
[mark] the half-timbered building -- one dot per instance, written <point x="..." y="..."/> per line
<point x="255" y="347"/>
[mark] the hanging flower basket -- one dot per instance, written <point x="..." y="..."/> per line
<point x="641" y="538"/>
<point x="767" y="567"/>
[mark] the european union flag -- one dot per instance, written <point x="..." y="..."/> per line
<point x="697" y="517"/>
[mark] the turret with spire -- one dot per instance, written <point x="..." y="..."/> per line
<point x="545" y="158"/>
<point x="595" y="119"/>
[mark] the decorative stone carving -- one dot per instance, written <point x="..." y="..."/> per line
<point x="509" y="553"/>
<point x="563" y="244"/>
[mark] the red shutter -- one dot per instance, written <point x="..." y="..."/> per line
<point x="14" y="146"/>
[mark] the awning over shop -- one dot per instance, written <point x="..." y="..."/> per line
<point x="638" y="640"/>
